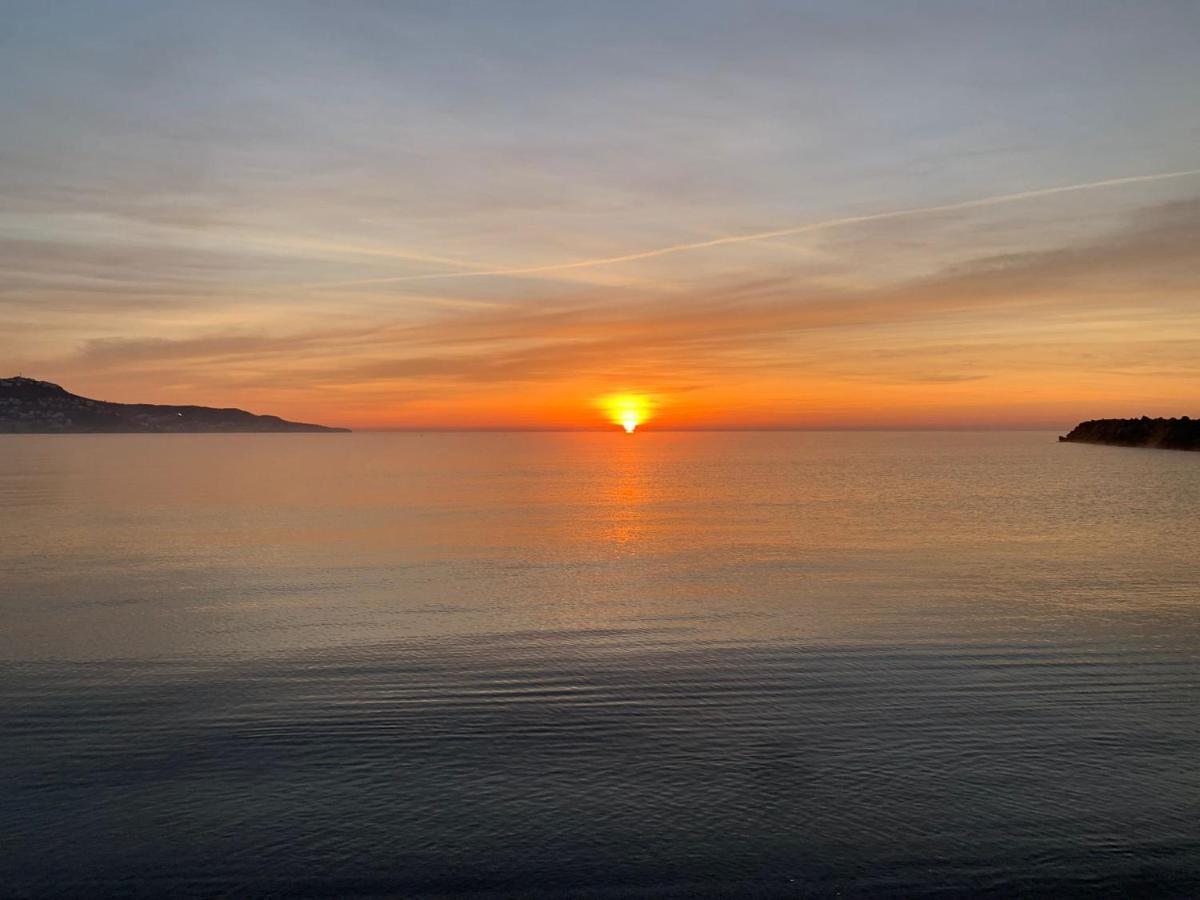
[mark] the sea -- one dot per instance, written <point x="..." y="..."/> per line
<point x="598" y="665"/>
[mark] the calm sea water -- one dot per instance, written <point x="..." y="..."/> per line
<point x="592" y="665"/>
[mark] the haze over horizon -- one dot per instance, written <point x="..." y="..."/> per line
<point x="487" y="215"/>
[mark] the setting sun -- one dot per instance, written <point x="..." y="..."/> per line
<point x="320" y="322"/>
<point x="627" y="410"/>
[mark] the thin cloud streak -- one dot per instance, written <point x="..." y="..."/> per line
<point x="994" y="200"/>
<point x="763" y="328"/>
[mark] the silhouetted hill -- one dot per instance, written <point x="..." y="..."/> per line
<point x="1168" y="434"/>
<point x="28" y="406"/>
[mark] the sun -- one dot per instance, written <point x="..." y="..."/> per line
<point x="627" y="410"/>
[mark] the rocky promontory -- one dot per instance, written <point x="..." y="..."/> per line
<point x="28" y="406"/>
<point x="1167" y="434"/>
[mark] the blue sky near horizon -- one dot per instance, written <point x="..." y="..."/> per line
<point x="292" y="205"/>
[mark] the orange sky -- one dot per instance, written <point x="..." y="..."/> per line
<point x="1107" y="325"/>
<point x="936" y="221"/>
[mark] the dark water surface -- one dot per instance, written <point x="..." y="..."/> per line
<point x="665" y="665"/>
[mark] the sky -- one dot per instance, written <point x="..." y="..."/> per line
<point x="447" y="214"/>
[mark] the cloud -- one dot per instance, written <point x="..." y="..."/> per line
<point x="1076" y="280"/>
<point x="789" y="231"/>
<point x="1063" y="310"/>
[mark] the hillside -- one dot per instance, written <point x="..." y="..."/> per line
<point x="28" y="406"/>
<point x="1167" y="434"/>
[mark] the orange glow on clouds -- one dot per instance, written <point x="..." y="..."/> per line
<point x="627" y="410"/>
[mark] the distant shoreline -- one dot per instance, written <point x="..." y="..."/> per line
<point x="29" y="406"/>
<point x="1161" y="434"/>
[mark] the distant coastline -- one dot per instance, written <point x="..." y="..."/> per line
<point x="1165" y="434"/>
<point x="29" y="406"/>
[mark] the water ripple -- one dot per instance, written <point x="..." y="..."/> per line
<point x="569" y="762"/>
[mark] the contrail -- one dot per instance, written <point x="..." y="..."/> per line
<point x="779" y="232"/>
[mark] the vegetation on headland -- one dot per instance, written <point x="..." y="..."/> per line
<point x="28" y="406"/>
<point x="1168" y="434"/>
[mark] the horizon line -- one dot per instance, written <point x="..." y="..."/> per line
<point x="703" y="430"/>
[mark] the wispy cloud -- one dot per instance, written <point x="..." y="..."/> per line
<point x="399" y="213"/>
<point x="988" y="320"/>
<point x="790" y="231"/>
